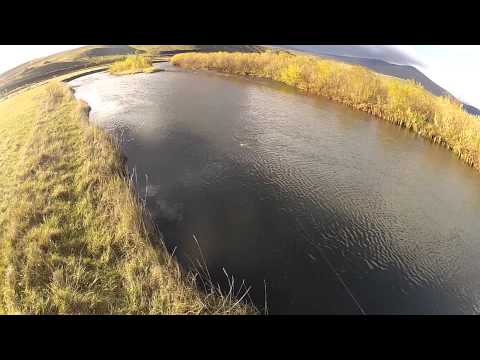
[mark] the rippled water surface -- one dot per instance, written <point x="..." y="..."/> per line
<point x="329" y="209"/>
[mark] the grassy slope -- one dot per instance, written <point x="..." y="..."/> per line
<point x="93" y="55"/>
<point x="73" y="236"/>
<point x="440" y="119"/>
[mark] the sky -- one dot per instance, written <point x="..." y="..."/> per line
<point x="453" y="67"/>
<point x="14" y="55"/>
<point x="456" y="68"/>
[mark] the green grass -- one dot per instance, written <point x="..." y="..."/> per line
<point x="74" y="238"/>
<point x="132" y="64"/>
<point x="403" y="102"/>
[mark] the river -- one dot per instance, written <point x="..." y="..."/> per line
<point x="318" y="208"/>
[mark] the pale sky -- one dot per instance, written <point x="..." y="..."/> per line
<point x="453" y="67"/>
<point x="14" y="55"/>
<point x="456" y="68"/>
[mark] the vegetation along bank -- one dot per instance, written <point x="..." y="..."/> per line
<point x="74" y="237"/>
<point x="403" y="102"/>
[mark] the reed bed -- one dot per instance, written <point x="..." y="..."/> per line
<point x="403" y="102"/>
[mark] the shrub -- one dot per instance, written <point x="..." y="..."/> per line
<point x="132" y="64"/>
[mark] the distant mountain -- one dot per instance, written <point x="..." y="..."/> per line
<point x="389" y="54"/>
<point x="378" y="65"/>
<point x="471" y="109"/>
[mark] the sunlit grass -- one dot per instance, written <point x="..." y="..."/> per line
<point x="74" y="237"/>
<point x="132" y="64"/>
<point x="403" y="102"/>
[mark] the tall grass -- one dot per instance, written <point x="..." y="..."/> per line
<point x="403" y="102"/>
<point x="74" y="237"/>
<point x="107" y="59"/>
<point x="132" y="64"/>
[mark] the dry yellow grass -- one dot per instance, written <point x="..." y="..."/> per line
<point x="74" y="239"/>
<point x="132" y="64"/>
<point x="405" y="103"/>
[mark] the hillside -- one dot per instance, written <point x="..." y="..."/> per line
<point x="93" y="55"/>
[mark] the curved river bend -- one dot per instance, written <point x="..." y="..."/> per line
<point x="329" y="209"/>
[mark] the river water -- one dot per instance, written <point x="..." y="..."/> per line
<point x="318" y="208"/>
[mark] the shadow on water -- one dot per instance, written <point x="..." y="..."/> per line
<point x="336" y="212"/>
<point x="242" y="252"/>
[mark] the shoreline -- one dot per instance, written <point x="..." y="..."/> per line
<point x="90" y="72"/>
<point x="145" y="213"/>
<point x="414" y="122"/>
<point x="78" y="240"/>
<point x="65" y="78"/>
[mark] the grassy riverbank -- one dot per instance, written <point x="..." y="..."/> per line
<point x="133" y="64"/>
<point x="403" y="102"/>
<point x="74" y="238"/>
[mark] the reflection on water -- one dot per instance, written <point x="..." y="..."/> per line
<point x="334" y="210"/>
